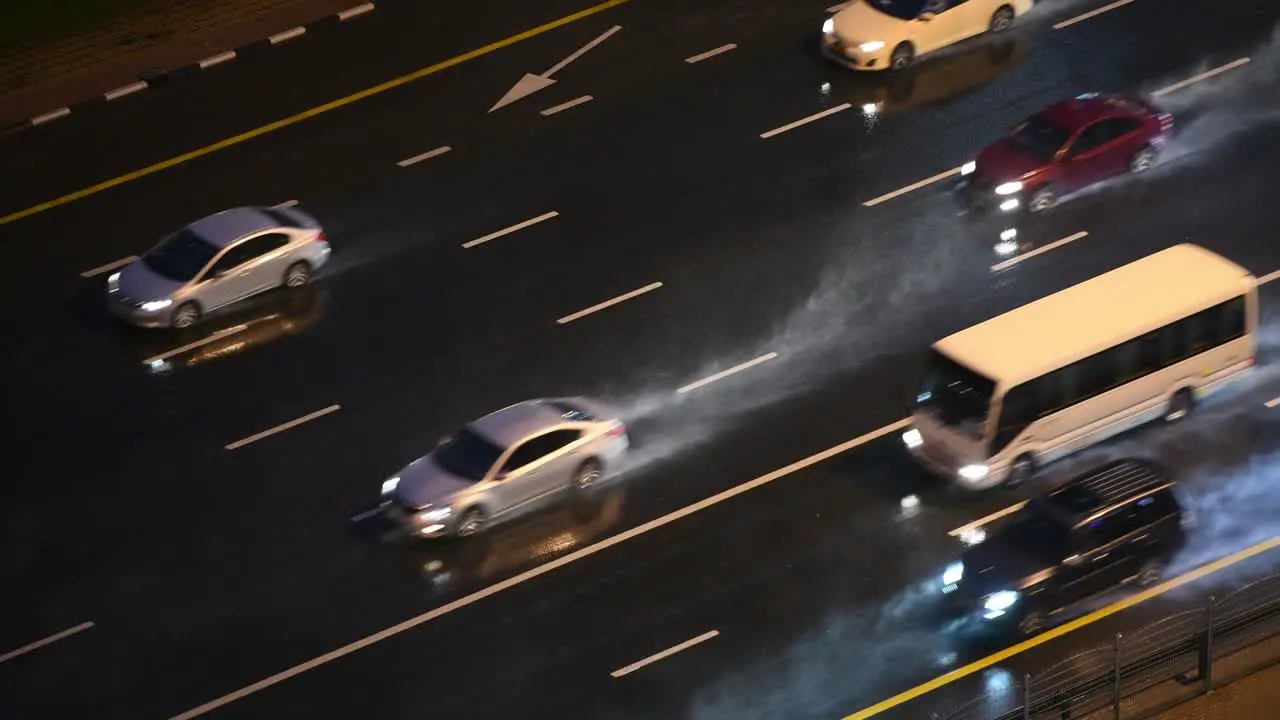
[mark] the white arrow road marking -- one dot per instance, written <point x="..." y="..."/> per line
<point x="530" y="84"/>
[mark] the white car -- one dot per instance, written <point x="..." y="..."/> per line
<point x="891" y="34"/>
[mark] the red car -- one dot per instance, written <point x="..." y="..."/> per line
<point x="1065" y="147"/>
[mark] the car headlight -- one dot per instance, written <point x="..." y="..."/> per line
<point x="870" y="47"/>
<point x="1001" y="601"/>
<point x="968" y="168"/>
<point x="113" y="281"/>
<point x="973" y="472"/>
<point x="829" y="26"/>
<point x="389" y="486"/>
<point x="435" y="514"/>
<point x="1008" y="188"/>
<point x="953" y="574"/>
<point x="912" y="438"/>
<point x="155" y="305"/>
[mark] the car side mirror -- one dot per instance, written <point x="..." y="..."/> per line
<point x="926" y="16"/>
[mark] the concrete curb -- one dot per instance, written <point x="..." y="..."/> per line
<point x="157" y="76"/>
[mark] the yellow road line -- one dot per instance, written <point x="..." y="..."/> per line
<point x="1061" y="630"/>
<point x="306" y="114"/>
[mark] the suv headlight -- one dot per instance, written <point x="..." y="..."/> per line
<point x="1000" y="601"/>
<point x="389" y="486"/>
<point x="968" y="168"/>
<point x="912" y="438"/>
<point x="953" y="574"/>
<point x="973" y="472"/>
<point x="1008" y="188"/>
<point x="829" y="26"/>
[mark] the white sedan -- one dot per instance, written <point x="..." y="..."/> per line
<point x="891" y="34"/>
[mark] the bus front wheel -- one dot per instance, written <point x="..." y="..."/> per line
<point x="1179" y="405"/>
<point x="1024" y="468"/>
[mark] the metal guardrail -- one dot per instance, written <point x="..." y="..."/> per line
<point x="1165" y="663"/>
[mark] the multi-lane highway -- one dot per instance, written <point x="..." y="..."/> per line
<point x="207" y="565"/>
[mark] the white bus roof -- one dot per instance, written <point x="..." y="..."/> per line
<point x="1131" y="300"/>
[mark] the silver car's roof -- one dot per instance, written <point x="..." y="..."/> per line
<point x="223" y="228"/>
<point x="509" y="425"/>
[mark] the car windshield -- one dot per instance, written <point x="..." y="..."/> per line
<point x="1039" y="137"/>
<point x="467" y="455"/>
<point x="1038" y="532"/>
<point x="956" y="395"/>
<point x="180" y="256"/>
<point x="901" y="9"/>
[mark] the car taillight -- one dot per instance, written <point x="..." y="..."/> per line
<point x="618" y="430"/>
<point x="321" y="237"/>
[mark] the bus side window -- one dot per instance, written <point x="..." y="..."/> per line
<point x="1150" y="352"/>
<point x="1129" y="362"/>
<point x="1097" y="373"/>
<point x="1051" y="392"/>
<point x="1231" y="322"/>
<point x="1202" y="331"/>
<point x="1016" y="412"/>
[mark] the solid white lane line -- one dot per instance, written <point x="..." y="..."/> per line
<point x="509" y="230"/>
<point x="284" y="426"/>
<point x="541" y="570"/>
<point x="356" y="11"/>
<point x="664" y="654"/>
<point x="193" y="345"/>
<point x="1092" y="13"/>
<point x="1043" y="249"/>
<point x="805" y="121"/>
<point x="1202" y="76"/>
<point x="726" y="373"/>
<point x="710" y="53"/>
<point x="108" y="267"/>
<point x="913" y="186"/>
<point x="609" y="303"/>
<point x="287" y="204"/>
<point x="565" y="106"/>
<point x="51" y="116"/>
<point x="287" y="35"/>
<point x="217" y="59"/>
<point x="424" y="156"/>
<point x="1272" y="402"/>
<point x="129" y="89"/>
<point x="1268" y="277"/>
<point x="47" y="641"/>
<point x="984" y="520"/>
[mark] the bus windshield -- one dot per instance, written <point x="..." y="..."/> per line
<point x="957" y="396"/>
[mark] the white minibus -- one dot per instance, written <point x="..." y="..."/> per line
<point x="1136" y="344"/>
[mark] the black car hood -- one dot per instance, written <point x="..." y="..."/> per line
<point x="998" y="564"/>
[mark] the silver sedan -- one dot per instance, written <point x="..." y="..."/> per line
<point x="215" y="262"/>
<point x="504" y="462"/>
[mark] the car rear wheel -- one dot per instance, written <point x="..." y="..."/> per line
<point x="1142" y="160"/>
<point x="587" y="474"/>
<point x="902" y="57"/>
<point x="471" y="522"/>
<point x="1151" y="573"/>
<point x="1042" y="200"/>
<point x="298" y="274"/>
<point x="1002" y="19"/>
<point x="186" y="315"/>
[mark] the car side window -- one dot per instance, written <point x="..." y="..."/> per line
<point x="1092" y="137"/>
<point x="537" y="448"/>
<point x="955" y="3"/>
<point x="1118" y="127"/>
<point x="232" y="258"/>
<point x="934" y="6"/>
<point x="263" y="244"/>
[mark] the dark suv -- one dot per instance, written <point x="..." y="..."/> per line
<point x="1116" y="523"/>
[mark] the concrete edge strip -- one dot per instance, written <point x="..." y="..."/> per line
<point x="152" y="78"/>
